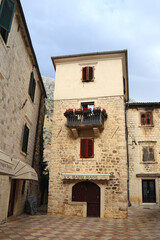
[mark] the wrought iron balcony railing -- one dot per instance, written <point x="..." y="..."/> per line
<point x="85" y="119"/>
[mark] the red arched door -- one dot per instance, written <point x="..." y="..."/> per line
<point x="88" y="192"/>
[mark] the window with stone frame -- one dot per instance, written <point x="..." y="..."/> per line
<point x="148" y="154"/>
<point x="146" y="118"/>
<point x="25" y="139"/>
<point x="87" y="148"/>
<point x="32" y="86"/>
<point x="7" y="9"/>
<point x="87" y="105"/>
<point x="87" y="74"/>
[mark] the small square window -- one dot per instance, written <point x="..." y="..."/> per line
<point x="146" y="118"/>
<point x="87" y="74"/>
<point x="148" y="154"/>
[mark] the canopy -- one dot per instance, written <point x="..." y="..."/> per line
<point x="23" y="171"/>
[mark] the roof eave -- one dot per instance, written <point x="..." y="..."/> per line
<point x="31" y="46"/>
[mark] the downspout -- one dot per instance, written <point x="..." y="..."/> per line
<point x="37" y="128"/>
<point x="126" y="131"/>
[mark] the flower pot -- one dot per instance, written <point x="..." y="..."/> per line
<point x="78" y="111"/>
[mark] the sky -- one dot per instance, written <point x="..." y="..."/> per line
<point x="64" y="27"/>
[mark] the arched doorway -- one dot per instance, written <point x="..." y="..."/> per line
<point x="88" y="192"/>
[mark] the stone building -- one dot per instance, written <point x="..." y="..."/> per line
<point x="88" y="160"/>
<point x="22" y="97"/>
<point x="144" y="152"/>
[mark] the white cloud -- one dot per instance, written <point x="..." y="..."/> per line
<point x="72" y="27"/>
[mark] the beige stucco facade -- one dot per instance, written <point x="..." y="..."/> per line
<point x="109" y="71"/>
<point x="17" y="61"/>
<point x="140" y="136"/>
<point x="108" y="168"/>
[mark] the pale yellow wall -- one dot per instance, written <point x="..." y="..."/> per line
<point x="108" y="79"/>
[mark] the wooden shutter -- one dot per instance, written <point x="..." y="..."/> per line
<point x="90" y="147"/>
<point x="151" y="154"/>
<point x="148" y="118"/>
<point x="87" y="73"/>
<point x="142" y="118"/>
<point x="32" y="86"/>
<point x="7" y="9"/>
<point x="145" y="154"/>
<point x="90" y="73"/>
<point x="84" y="74"/>
<point x="83" y="149"/>
<point x="87" y="148"/>
<point x="25" y="138"/>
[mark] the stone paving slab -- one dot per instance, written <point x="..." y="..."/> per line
<point x="143" y="223"/>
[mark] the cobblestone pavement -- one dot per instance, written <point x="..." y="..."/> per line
<point x="142" y="224"/>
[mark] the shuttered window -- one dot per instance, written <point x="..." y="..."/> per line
<point x="25" y="139"/>
<point x="7" y="9"/>
<point x="148" y="154"/>
<point x="87" y="74"/>
<point x="87" y="148"/>
<point x="32" y="86"/>
<point x="146" y="118"/>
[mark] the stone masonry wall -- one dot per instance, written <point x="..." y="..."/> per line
<point x="4" y="197"/>
<point x="34" y="186"/>
<point x="16" y="106"/>
<point x="109" y="157"/>
<point x="137" y="137"/>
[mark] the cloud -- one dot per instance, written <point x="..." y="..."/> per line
<point x="72" y="27"/>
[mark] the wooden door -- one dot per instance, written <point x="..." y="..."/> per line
<point x="90" y="193"/>
<point x="12" y="198"/>
<point x="148" y="191"/>
<point x="93" y="200"/>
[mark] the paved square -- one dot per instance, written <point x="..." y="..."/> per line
<point x="142" y="224"/>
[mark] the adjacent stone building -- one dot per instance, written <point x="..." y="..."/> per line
<point x="22" y="97"/>
<point x="144" y="152"/>
<point x="88" y="160"/>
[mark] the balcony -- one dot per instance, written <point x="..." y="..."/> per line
<point x="85" y="119"/>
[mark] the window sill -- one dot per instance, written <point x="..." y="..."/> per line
<point x="148" y="204"/>
<point x="4" y="44"/>
<point x="32" y="102"/>
<point x="149" y="162"/>
<point x="86" y="159"/>
<point x="146" y="126"/>
<point x="88" y="80"/>
<point x="24" y="154"/>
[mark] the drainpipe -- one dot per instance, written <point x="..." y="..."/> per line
<point x="37" y="128"/>
<point x="126" y="132"/>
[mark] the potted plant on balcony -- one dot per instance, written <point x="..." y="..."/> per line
<point x="68" y="112"/>
<point x="104" y="113"/>
<point x="97" y="110"/>
<point x="86" y="110"/>
<point x="78" y="111"/>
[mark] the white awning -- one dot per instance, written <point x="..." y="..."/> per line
<point x="23" y="171"/>
<point x="75" y="176"/>
<point x="6" y="165"/>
